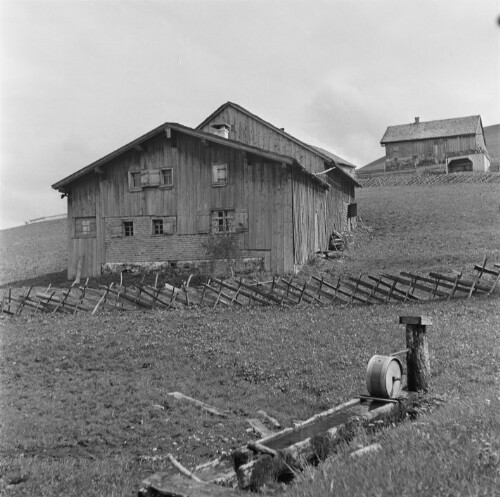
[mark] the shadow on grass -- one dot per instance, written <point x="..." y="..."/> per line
<point x="60" y="279"/>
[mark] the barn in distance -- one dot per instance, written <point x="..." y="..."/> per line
<point x="456" y="144"/>
<point x="174" y="194"/>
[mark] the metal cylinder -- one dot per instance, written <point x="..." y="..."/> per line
<point x="383" y="376"/>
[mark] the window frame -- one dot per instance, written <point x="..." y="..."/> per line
<point x="163" y="185"/>
<point x="88" y="227"/>
<point x="216" y="183"/>
<point x="224" y="218"/>
<point x="131" y="183"/>
<point x="128" y="228"/>
<point x="157" y="223"/>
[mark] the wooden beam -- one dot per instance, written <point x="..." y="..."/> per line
<point x="417" y="358"/>
<point x="199" y="403"/>
<point x="165" y="485"/>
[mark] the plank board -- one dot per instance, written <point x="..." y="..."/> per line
<point x="165" y="485"/>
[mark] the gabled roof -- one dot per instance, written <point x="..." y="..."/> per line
<point x="376" y="165"/>
<point x="328" y="156"/>
<point x="433" y="129"/>
<point x="284" y="159"/>
<point x="334" y="157"/>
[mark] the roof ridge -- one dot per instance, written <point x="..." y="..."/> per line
<point x="193" y="132"/>
<point x="312" y="148"/>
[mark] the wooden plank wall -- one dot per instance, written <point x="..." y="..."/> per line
<point x="310" y="217"/>
<point x="258" y="189"/>
<point x="248" y="130"/>
<point x="436" y="147"/>
<point x="82" y="203"/>
<point x="120" y="202"/>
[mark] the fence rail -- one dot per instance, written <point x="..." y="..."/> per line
<point x="427" y="179"/>
<point x="282" y="291"/>
<point x="46" y="218"/>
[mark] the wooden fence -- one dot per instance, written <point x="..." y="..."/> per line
<point x="282" y="291"/>
<point x="428" y="179"/>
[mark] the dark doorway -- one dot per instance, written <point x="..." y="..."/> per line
<point x="459" y="165"/>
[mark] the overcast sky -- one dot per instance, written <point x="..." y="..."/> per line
<point x="82" y="78"/>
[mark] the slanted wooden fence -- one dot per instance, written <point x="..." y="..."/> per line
<point x="282" y="291"/>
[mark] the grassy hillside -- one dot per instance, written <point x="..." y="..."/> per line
<point x="33" y="250"/>
<point x="84" y="410"/>
<point x="417" y="227"/>
<point x="423" y="228"/>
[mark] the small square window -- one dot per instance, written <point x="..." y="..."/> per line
<point x="158" y="227"/>
<point x="167" y="177"/>
<point x="223" y="221"/>
<point x="219" y="174"/>
<point x="128" y="228"/>
<point x="85" y="227"/>
<point x="135" y="180"/>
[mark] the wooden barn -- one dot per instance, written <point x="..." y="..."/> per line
<point x="457" y="144"/>
<point x="181" y="196"/>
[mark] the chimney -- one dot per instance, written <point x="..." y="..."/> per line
<point x="417" y="120"/>
<point x="221" y="129"/>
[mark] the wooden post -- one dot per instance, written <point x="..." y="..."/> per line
<point x="417" y="357"/>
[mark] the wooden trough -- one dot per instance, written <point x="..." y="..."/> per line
<point x="280" y="455"/>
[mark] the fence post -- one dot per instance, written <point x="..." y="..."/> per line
<point x="417" y="358"/>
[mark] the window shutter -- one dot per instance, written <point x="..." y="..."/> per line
<point x="154" y="177"/>
<point x="203" y="222"/>
<point x="144" y="178"/>
<point x="241" y="220"/>
<point x="170" y="225"/>
<point x="116" y="229"/>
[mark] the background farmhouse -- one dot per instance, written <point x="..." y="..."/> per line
<point x="176" y="194"/>
<point x="457" y="143"/>
<point x="448" y="145"/>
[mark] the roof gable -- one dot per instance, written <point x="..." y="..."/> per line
<point x="444" y="128"/>
<point x="191" y="132"/>
<point x="324" y="154"/>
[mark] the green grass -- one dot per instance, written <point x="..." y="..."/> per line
<point x="455" y="451"/>
<point x="81" y="395"/>
<point x="424" y="228"/>
<point x="83" y="404"/>
<point x="33" y="250"/>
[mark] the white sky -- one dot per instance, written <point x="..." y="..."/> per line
<point x="81" y="78"/>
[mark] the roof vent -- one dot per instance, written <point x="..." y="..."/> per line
<point x="417" y="120"/>
<point x="221" y="129"/>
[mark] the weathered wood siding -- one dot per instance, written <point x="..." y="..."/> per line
<point x="82" y="203"/>
<point x="437" y="148"/>
<point x="247" y="129"/>
<point x="258" y="192"/>
<point x="317" y="212"/>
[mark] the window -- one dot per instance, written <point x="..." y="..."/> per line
<point x="223" y="221"/>
<point x="352" y="210"/>
<point x="85" y="227"/>
<point x="135" y="180"/>
<point x="128" y="228"/>
<point x="167" y="177"/>
<point x="219" y="174"/>
<point x="157" y="226"/>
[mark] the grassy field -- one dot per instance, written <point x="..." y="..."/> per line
<point x="84" y="405"/>
<point x="33" y="250"/>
